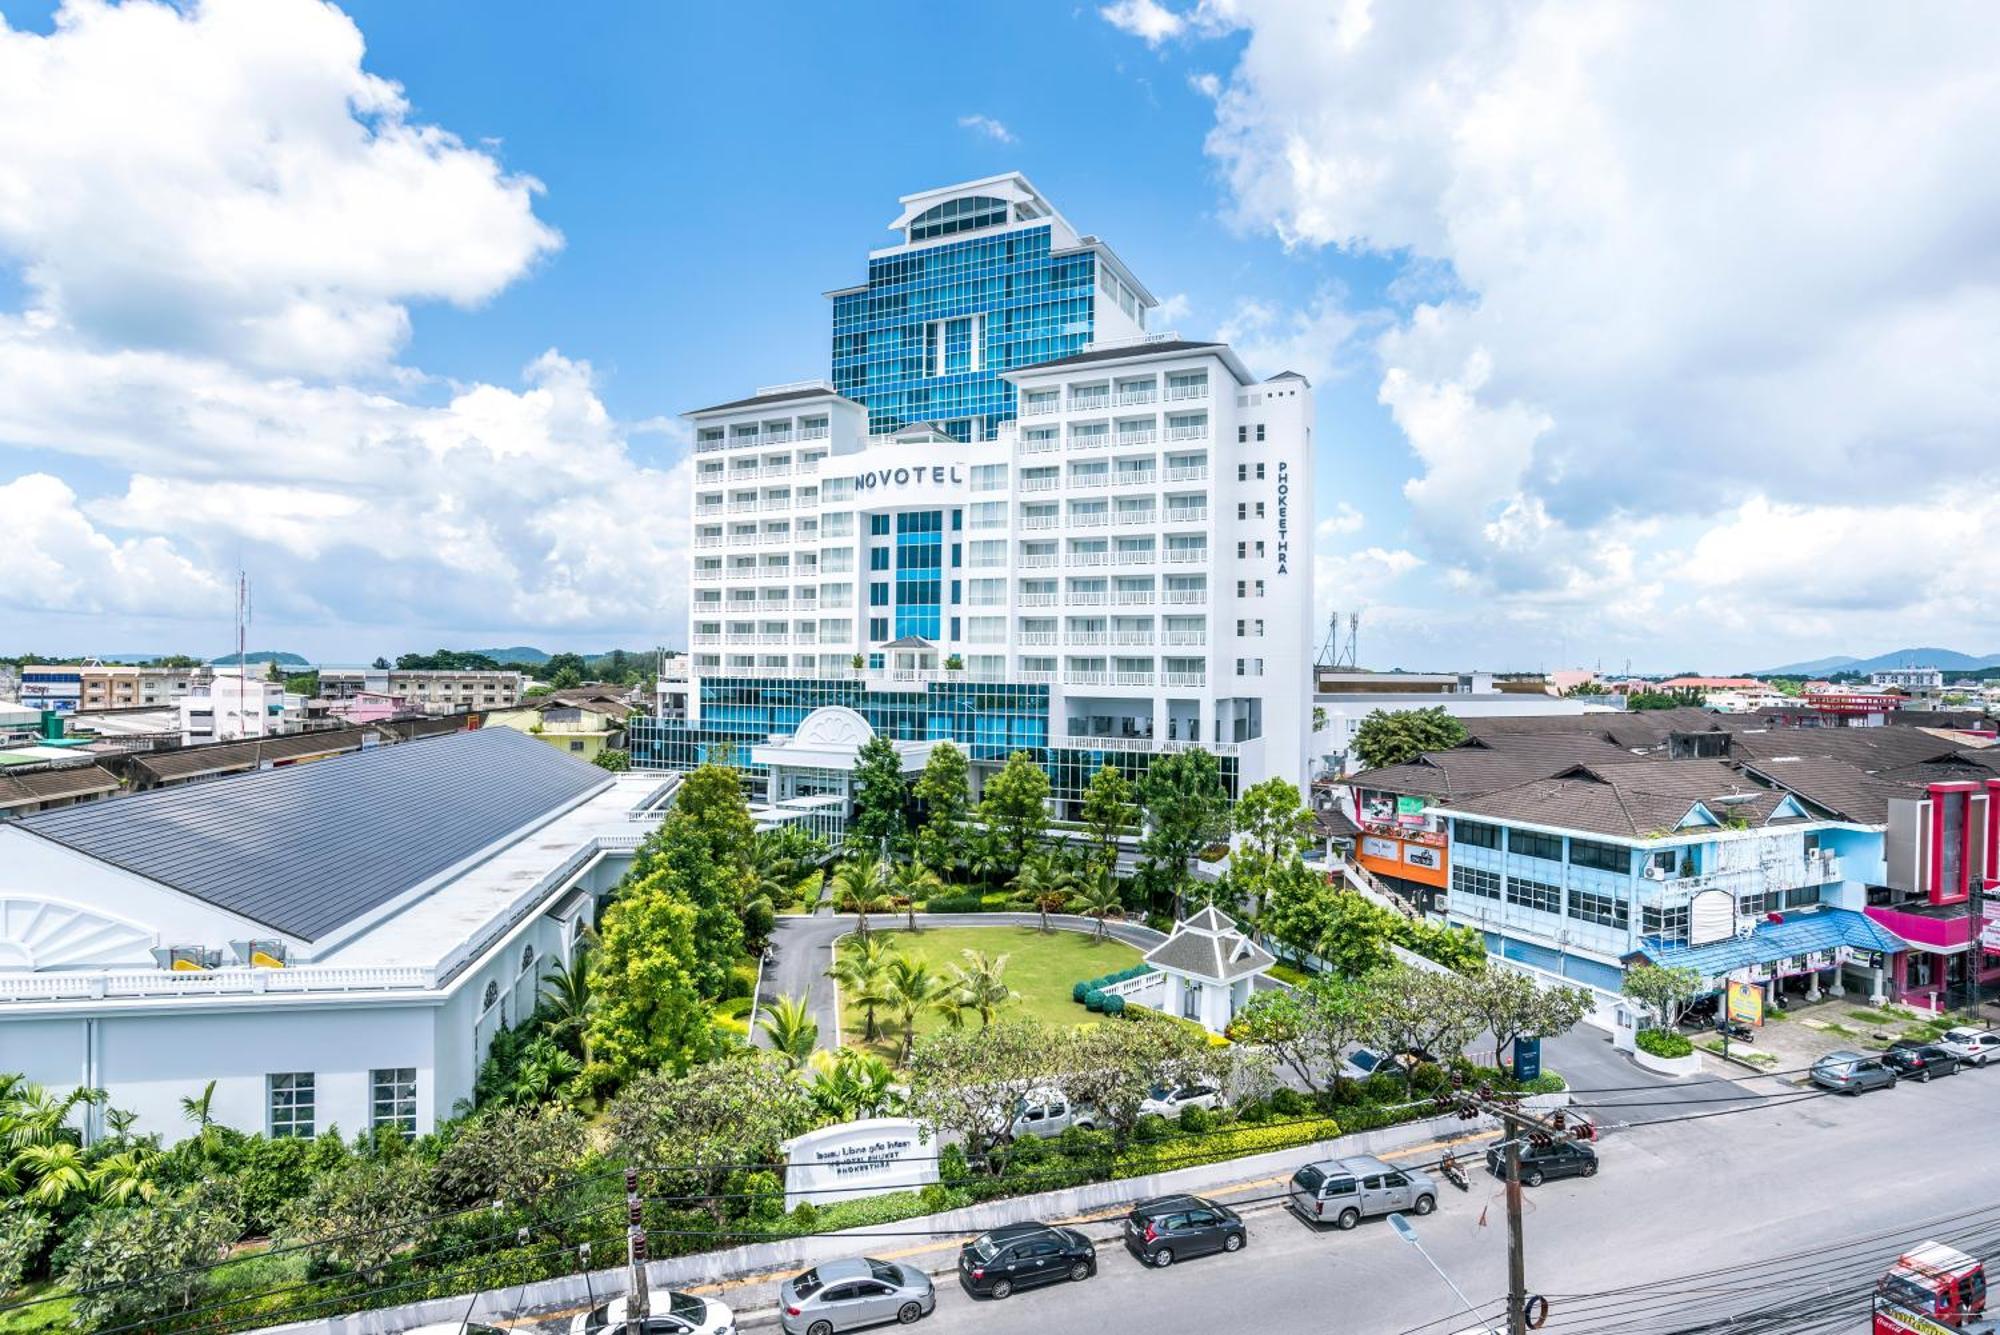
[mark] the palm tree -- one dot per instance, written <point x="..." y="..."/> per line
<point x="1042" y="886"/>
<point x="544" y="1070"/>
<point x="565" y="996"/>
<point x="862" y="971"/>
<point x="793" y="1032"/>
<point x="31" y="1115"/>
<point x="857" y="886"/>
<point x="987" y="858"/>
<point x="849" y="1083"/>
<point x="1098" y="898"/>
<point x="58" y="1168"/>
<point x="980" y="984"/>
<point x="119" y="1177"/>
<point x="914" y="988"/>
<point x="914" y="881"/>
<point x="121" y="1121"/>
<point x="199" y="1109"/>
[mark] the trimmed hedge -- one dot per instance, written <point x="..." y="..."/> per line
<point x="966" y="903"/>
<point x="1662" y="1043"/>
<point x="1213" y="1148"/>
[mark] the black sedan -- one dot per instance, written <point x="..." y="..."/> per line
<point x="1564" y="1158"/>
<point x="1919" y="1061"/>
<point x="1167" y="1228"/>
<point x="1018" y="1256"/>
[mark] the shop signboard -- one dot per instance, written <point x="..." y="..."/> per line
<point x="1375" y="846"/>
<point x="1746" y="1003"/>
<point x="1426" y="856"/>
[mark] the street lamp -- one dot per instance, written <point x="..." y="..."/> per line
<point x="1408" y="1233"/>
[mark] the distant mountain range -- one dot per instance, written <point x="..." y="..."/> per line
<point x="263" y="656"/>
<point x="520" y="653"/>
<point x="1950" y="660"/>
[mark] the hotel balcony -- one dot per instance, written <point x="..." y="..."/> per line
<point x="1188" y="473"/>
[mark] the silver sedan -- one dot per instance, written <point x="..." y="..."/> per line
<point x="847" y="1295"/>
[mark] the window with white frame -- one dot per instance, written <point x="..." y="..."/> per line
<point x="289" y="1097"/>
<point x="393" y="1099"/>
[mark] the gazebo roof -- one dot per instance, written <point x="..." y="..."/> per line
<point x="1208" y="946"/>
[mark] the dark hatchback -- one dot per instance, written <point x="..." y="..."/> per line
<point x="1919" y="1061"/>
<point x="1169" y="1228"/>
<point x="1019" y="1256"/>
<point x="1565" y="1158"/>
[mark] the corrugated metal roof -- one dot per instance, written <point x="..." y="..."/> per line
<point x="18" y="790"/>
<point x="308" y="848"/>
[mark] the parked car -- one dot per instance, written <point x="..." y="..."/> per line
<point x="1564" y="1158"/>
<point x="1167" y="1101"/>
<point x="1972" y="1047"/>
<point x="1919" y="1061"/>
<point x="1342" y="1191"/>
<point x="1364" y="1062"/>
<point x="1046" y="1113"/>
<point x="1851" y="1073"/>
<point x="455" y="1328"/>
<point x="847" y="1295"/>
<point x="667" y="1313"/>
<point x="1170" y="1228"/>
<point x="1019" y="1256"/>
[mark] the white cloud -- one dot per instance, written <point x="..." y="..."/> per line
<point x="1147" y="19"/>
<point x="1319" y="342"/>
<point x="986" y="125"/>
<point x="58" y="561"/>
<point x="1171" y="311"/>
<point x="227" y="179"/>
<point x="1664" y="259"/>
<point x="223" y="222"/>
<point x="1345" y="519"/>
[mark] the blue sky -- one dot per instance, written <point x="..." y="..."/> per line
<point x="1581" y="398"/>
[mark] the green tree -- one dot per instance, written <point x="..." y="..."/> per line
<point x="1272" y="820"/>
<point x="1460" y="949"/>
<point x="1308" y="1028"/>
<point x="858" y="888"/>
<point x="22" y="1233"/>
<point x="880" y="796"/>
<point x="199" y="1110"/>
<point x="1510" y="1005"/>
<point x="610" y="758"/>
<point x="147" y="1262"/>
<point x="788" y="1023"/>
<point x="944" y="790"/>
<point x="646" y="975"/>
<point x="380" y="664"/>
<point x="981" y="984"/>
<point x="1044" y="885"/>
<point x="126" y="1176"/>
<point x="965" y="1081"/>
<point x="303" y="683"/>
<point x="524" y="1157"/>
<point x="1186" y="809"/>
<point x="861" y="969"/>
<point x="1108" y="812"/>
<point x="700" y="854"/>
<point x="912" y="882"/>
<point x="694" y="1130"/>
<point x="1014" y="804"/>
<point x="1098" y="898"/>
<point x="849" y="1084"/>
<point x="1420" y="1010"/>
<point x="566" y="1001"/>
<point x="564" y="671"/>
<point x="1385" y="738"/>
<point x="1113" y="1067"/>
<point x="358" y="1217"/>
<point x="1667" y="990"/>
<point x="916" y="989"/>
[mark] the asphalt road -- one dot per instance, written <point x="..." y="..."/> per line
<point x="1676" y="1202"/>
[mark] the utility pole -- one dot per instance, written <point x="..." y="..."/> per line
<point x="1517" y="1259"/>
<point x="635" y="1256"/>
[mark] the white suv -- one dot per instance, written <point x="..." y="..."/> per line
<point x="1973" y="1047"/>
<point x="1167" y="1101"/>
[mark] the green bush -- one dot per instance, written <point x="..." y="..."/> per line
<point x="1663" y="1043"/>
<point x="1197" y="1120"/>
<point x="1114" y="1004"/>
<point x="1078" y="991"/>
<point x="1289" y="1102"/>
<point x="960" y="903"/>
<point x="1093" y="1000"/>
<point x="1150" y="1128"/>
<point x="1229" y="1144"/>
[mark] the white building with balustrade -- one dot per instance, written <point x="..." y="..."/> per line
<point x="335" y="944"/>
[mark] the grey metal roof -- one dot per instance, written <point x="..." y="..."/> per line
<point x="763" y="400"/>
<point x="1130" y="351"/>
<point x="307" y="848"/>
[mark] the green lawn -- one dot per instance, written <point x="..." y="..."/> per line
<point x="1041" y="968"/>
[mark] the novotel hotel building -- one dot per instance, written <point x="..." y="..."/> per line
<point x="1011" y="518"/>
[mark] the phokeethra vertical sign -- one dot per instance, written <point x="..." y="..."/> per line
<point x="1284" y="518"/>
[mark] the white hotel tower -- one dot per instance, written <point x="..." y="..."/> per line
<point x="1012" y="518"/>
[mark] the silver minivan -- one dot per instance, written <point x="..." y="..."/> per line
<point x="1341" y="1191"/>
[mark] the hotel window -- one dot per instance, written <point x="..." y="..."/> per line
<point x="1528" y="844"/>
<point x="1239" y="667"/>
<point x="878" y="628"/>
<point x="1600" y="909"/>
<point x="878" y="558"/>
<point x="1476" y="835"/>
<point x="1239" y="625"/>
<point x="878" y="525"/>
<point x="1242" y="550"/>
<point x="1243" y="472"/>
<point x="1242" y="435"/>
<point x="878" y="594"/>
<point x="1242" y="510"/>
<point x="290" y="1098"/>
<point x="1260" y="509"/>
<point x="1259" y="624"/>
<point x="1260" y="548"/>
<point x="1604" y="857"/>
<point x="1260" y="588"/>
<point x="1260" y="472"/>
<point x="393" y="1100"/>
<point x="1537" y="895"/>
<point x="1256" y="667"/>
<point x="1475" y="881"/>
<point x="1260" y="431"/>
<point x="1242" y="589"/>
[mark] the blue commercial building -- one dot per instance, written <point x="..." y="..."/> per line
<point x="987" y="277"/>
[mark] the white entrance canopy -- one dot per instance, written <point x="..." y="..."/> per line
<point x="831" y="738"/>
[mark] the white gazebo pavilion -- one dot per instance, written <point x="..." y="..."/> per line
<point x="1208" y="968"/>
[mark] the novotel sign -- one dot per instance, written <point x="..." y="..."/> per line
<point x="936" y="475"/>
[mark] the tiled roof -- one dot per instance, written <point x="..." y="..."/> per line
<point x="1641" y="801"/>
<point x="1209" y="946"/>
<point x="1869" y="748"/>
<point x="308" y="848"/>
